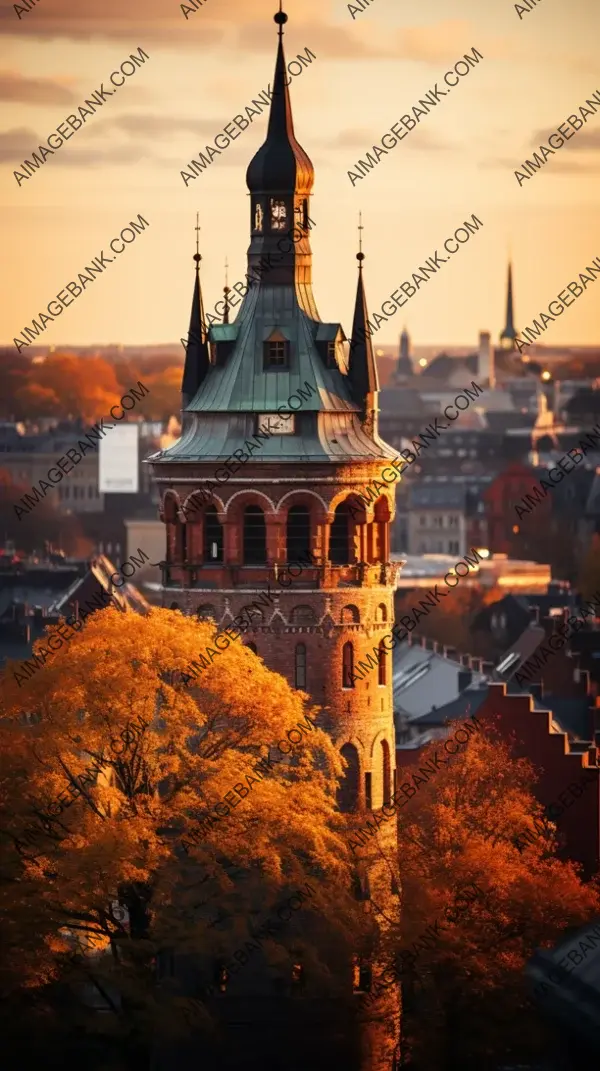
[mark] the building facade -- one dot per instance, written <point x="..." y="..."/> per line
<point x="279" y="437"/>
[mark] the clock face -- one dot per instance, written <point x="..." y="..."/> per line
<point x="276" y="423"/>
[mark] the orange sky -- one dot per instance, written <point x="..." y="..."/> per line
<point x="368" y="73"/>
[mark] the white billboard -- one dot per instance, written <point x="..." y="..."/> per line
<point x="118" y="463"/>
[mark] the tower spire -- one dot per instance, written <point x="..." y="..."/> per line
<point x="280" y="178"/>
<point x="226" y="291"/>
<point x="509" y="334"/>
<point x="362" y="368"/>
<point x="197" y="358"/>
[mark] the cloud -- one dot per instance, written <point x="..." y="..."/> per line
<point x="589" y="141"/>
<point x="19" y="89"/>
<point x="162" y="126"/>
<point x="18" y="145"/>
<point x="362" y="140"/>
<point x="243" y="26"/>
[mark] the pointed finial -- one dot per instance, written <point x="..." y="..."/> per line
<point x="197" y="256"/>
<point x="280" y="18"/>
<point x="360" y="256"/>
<point x="226" y="290"/>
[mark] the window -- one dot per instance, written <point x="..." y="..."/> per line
<point x="453" y="547"/>
<point x="422" y="522"/>
<point x="213" y="536"/>
<point x="381" y="612"/>
<point x="302" y="615"/>
<point x="276" y="353"/>
<point x="350" y="615"/>
<point x="255" y="536"/>
<point x="258" y="216"/>
<point x="339" y="536"/>
<point x="348" y="666"/>
<point x="300" y="666"/>
<point x="387" y="773"/>
<point x="347" y="793"/>
<point x="298" y="533"/>
<point x="331" y="361"/>
<point x="278" y="214"/>
<point x="205" y="612"/>
<point x="382" y="669"/>
<point x="369" y="791"/>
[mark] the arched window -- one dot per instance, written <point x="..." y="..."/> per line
<point x="255" y="536"/>
<point x="206" y="611"/>
<point x="387" y="773"/>
<point x="381" y="612"/>
<point x="302" y="615"/>
<point x="213" y="536"/>
<point x="300" y="666"/>
<point x="298" y="533"/>
<point x="382" y="654"/>
<point x="348" y="666"/>
<point x="339" y="536"/>
<point x="252" y="647"/>
<point x="348" y="789"/>
<point x="350" y="615"/>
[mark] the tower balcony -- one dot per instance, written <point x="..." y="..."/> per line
<point x="326" y="575"/>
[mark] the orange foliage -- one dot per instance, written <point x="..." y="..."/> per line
<point x="460" y="828"/>
<point x="119" y="839"/>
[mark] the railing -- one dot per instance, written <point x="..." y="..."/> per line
<point x="324" y="575"/>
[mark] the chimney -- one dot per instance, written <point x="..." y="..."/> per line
<point x="464" y="679"/>
<point x="451" y="653"/>
<point x="487" y="668"/>
<point x="476" y="664"/>
<point x="465" y="660"/>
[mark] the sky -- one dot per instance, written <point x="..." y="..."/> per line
<point x="368" y="72"/>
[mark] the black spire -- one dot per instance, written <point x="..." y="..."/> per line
<point x="509" y="334"/>
<point x="197" y="359"/>
<point x="362" y="369"/>
<point x="280" y="178"/>
<point x="281" y="164"/>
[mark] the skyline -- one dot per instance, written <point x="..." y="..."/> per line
<point x="535" y="72"/>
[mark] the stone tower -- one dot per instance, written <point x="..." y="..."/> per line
<point x="240" y="503"/>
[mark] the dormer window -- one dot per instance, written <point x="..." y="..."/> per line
<point x="331" y="361"/>
<point x="276" y="352"/>
<point x="278" y="214"/>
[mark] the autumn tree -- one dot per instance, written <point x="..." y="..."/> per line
<point x="117" y="757"/>
<point x="477" y="899"/>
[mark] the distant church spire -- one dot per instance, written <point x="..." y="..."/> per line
<point x="509" y="334"/>
<point x="197" y="358"/>
<point x="404" y="365"/>
<point x="362" y="368"/>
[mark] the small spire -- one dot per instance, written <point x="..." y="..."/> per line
<point x="197" y="358"/>
<point x="226" y="291"/>
<point x="362" y="367"/>
<point x="360" y="256"/>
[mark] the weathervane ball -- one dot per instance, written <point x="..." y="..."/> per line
<point x="197" y="258"/>
<point x="360" y="256"/>
<point x="280" y="18"/>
